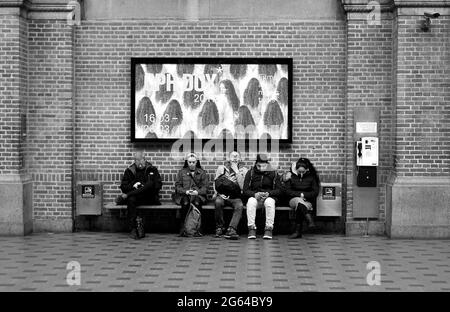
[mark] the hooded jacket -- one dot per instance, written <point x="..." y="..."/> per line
<point x="306" y="184"/>
<point x="261" y="181"/>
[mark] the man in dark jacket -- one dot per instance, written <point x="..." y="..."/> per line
<point x="262" y="189"/>
<point x="140" y="185"/>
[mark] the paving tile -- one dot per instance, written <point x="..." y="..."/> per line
<point x="113" y="262"/>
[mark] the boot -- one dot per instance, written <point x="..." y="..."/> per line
<point x="310" y="221"/>
<point x="133" y="234"/>
<point x="140" y="227"/>
<point x="298" y="232"/>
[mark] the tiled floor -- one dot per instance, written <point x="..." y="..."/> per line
<point x="165" y="262"/>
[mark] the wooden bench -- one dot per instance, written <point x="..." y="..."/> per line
<point x="171" y="205"/>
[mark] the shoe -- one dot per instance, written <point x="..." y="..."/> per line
<point x="251" y="232"/>
<point x="267" y="233"/>
<point x="133" y="234"/>
<point x="219" y="232"/>
<point x="231" y="234"/>
<point x="140" y="227"/>
<point x="297" y="232"/>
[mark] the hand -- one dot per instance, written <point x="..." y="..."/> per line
<point x="137" y="185"/>
<point x="287" y="176"/>
<point x="264" y="195"/>
<point x="223" y="196"/>
<point x="124" y="196"/>
<point x="194" y="192"/>
<point x="302" y="195"/>
<point x="188" y="192"/>
<point x="259" y="195"/>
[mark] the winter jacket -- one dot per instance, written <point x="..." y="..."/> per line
<point x="151" y="182"/>
<point x="308" y="185"/>
<point x="261" y="181"/>
<point x="198" y="182"/>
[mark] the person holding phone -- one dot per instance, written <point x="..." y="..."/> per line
<point x="262" y="188"/>
<point x="191" y="186"/>
<point x="140" y="184"/>
<point x="301" y="188"/>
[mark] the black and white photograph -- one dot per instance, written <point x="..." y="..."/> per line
<point x="225" y="154"/>
<point x="228" y="98"/>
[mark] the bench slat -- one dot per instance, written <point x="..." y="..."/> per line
<point x="112" y="206"/>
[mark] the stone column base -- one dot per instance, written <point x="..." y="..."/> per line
<point x="359" y="228"/>
<point x="53" y="225"/>
<point x="420" y="208"/>
<point x="16" y="205"/>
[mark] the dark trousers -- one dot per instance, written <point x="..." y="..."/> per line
<point x="237" y="205"/>
<point x="132" y="202"/>
<point x="186" y="201"/>
<point x="300" y="213"/>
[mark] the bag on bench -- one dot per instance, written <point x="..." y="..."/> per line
<point x="192" y="222"/>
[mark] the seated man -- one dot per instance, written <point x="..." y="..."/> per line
<point x="229" y="181"/>
<point x="191" y="187"/>
<point x="261" y="187"/>
<point x="140" y="185"/>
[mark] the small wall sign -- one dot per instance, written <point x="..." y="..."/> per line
<point x="329" y="193"/>
<point x="88" y="191"/>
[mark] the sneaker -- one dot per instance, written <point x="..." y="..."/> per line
<point x="267" y="233"/>
<point x="133" y="234"/>
<point x="219" y="232"/>
<point x="251" y="233"/>
<point x="231" y="234"/>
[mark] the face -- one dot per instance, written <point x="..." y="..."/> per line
<point x="261" y="166"/>
<point x="140" y="161"/>
<point x="302" y="170"/>
<point x="234" y="157"/>
<point x="192" y="161"/>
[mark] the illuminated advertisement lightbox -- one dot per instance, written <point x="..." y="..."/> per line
<point x="209" y="98"/>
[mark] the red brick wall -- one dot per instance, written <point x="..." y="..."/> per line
<point x="103" y="52"/>
<point x="423" y="97"/>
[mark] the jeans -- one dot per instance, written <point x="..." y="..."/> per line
<point x="237" y="205"/>
<point x="268" y="204"/>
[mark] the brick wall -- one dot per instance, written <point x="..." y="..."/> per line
<point x="10" y="97"/>
<point x="369" y="84"/>
<point x="423" y="97"/>
<point x="103" y="52"/>
<point x="49" y="140"/>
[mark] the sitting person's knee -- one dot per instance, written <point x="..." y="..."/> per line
<point x="219" y="201"/>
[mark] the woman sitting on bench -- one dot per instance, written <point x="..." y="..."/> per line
<point x="302" y="188"/>
<point x="191" y="186"/>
